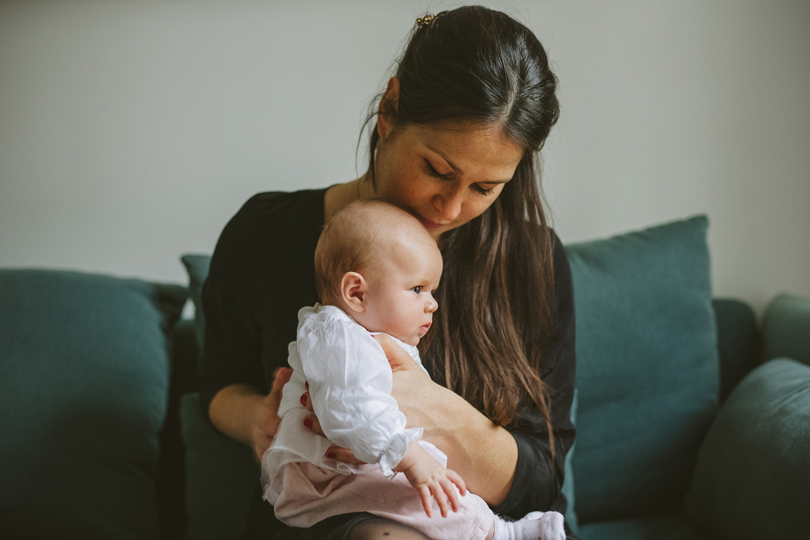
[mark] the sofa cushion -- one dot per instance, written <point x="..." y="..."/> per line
<point x="222" y="479"/>
<point x="647" y="368"/>
<point x="84" y="378"/>
<point x="752" y="478"/>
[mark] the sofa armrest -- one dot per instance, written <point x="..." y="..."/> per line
<point x="786" y="329"/>
<point x="752" y="478"/>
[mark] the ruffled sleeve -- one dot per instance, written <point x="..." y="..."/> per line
<point x="350" y="384"/>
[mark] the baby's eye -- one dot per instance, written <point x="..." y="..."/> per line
<point x="417" y="289"/>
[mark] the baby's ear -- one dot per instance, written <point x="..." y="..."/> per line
<point x="353" y="291"/>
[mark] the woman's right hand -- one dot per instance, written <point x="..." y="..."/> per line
<point x="265" y="419"/>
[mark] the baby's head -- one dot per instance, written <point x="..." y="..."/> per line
<point x="378" y="263"/>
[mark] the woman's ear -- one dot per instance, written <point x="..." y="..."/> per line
<point x="353" y="289"/>
<point x="388" y="104"/>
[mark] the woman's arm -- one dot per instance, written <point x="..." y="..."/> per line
<point x="455" y="427"/>
<point x="484" y="454"/>
<point x="243" y="413"/>
<point x="511" y="470"/>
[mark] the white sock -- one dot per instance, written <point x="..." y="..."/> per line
<point x="533" y="526"/>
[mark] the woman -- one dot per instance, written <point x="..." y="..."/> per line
<point x="456" y="140"/>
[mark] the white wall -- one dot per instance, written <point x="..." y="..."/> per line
<point x="131" y="131"/>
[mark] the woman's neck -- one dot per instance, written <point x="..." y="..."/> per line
<point x="341" y="195"/>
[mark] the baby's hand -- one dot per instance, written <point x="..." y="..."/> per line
<point x="429" y="478"/>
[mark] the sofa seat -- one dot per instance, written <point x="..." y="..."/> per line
<point x="663" y="527"/>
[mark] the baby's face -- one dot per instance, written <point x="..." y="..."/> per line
<point x="400" y="296"/>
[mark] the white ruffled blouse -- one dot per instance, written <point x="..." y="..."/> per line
<point x="350" y="384"/>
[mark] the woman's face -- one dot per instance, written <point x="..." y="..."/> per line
<point x="445" y="175"/>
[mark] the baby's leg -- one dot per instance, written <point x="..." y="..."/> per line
<point x="474" y="520"/>
<point x="311" y="495"/>
<point x="377" y="528"/>
<point x="398" y="501"/>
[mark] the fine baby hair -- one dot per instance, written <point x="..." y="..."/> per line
<point x="361" y="238"/>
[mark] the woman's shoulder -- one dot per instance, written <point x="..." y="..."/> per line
<point x="271" y="232"/>
<point x="561" y="266"/>
<point x="274" y="217"/>
<point x="269" y="206"/>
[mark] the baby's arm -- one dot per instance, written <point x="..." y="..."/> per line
<point x="429" y="477"/>
<point x="350" y="384"/>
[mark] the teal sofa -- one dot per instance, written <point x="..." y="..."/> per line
<point x="693" y="418"/>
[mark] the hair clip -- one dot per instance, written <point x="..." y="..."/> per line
<point x="424" y="21"/>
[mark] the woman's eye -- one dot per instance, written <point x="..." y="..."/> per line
<point x="417" y="289"/>
<point x="433" y="172"/>
<point x="483" y="191"/>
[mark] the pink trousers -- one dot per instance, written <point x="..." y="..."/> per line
<point x="312" y="494"/>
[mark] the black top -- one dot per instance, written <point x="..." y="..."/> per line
<point x="262" y="273"/>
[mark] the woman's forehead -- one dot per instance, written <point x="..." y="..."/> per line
<point x="467" y="145"/>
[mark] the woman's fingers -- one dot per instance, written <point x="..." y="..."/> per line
<point x="265" y="421"/>
<point x="280" y="378"/>
<point x="311" y="421"/>
<point x="396" y="355"/>
<point x="306" y="401"/>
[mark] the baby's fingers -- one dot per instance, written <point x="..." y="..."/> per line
<point x="424" y="494"/>
<point x="441" y="498"/>
<point x="458" y="481"/>
<point x="452" y="494"/>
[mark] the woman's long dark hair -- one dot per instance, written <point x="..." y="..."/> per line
<point x="497" y="293"/>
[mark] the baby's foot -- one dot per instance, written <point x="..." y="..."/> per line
<point x="552" y="524"/>
<point x="533" y="526"/>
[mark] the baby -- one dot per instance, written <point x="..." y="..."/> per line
<point x="376" y="269"/>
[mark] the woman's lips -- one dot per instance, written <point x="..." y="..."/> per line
<point x="430" y="225"/>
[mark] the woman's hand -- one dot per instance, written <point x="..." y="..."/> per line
<point x="265" y="420"/>
<point x="413" y="389"/>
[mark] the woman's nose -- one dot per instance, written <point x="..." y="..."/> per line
<point x="448" y="203"/>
